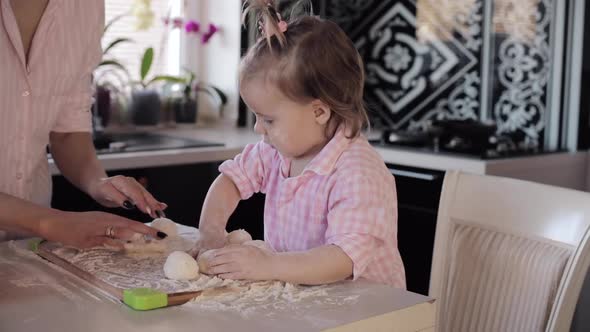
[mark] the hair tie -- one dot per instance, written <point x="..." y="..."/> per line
<point x="282" y="26"/>
<point x="277" y="16"/>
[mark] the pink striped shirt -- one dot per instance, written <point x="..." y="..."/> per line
<point x="345" y="196"/>
<point x="52" y="92"/>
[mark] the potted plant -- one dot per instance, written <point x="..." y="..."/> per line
<point x="185" y="107"/>
<point x="145" y="102"/>
<point x="109" y="78"/>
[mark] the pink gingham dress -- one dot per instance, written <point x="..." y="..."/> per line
<point x="345" y="196"/>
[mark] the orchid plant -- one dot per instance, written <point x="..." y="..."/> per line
<point x="190" y="86"/>
<point x="192" y="27"/>
<point x="114" y="76"/>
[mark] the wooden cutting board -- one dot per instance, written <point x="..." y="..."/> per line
<point x="139" y="298"/>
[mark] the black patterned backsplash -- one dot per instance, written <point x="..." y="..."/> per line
<point x="428" y="59"/>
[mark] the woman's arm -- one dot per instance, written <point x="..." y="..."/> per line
<point x="20" y="216"/>
<point x="75" y="156"/>
<point x="79" y="229"/>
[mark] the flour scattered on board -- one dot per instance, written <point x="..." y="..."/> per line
<point x="138" y="270"/>
<point x="267" y="298"/>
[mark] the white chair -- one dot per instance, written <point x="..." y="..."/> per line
<point x="509" y="255"/>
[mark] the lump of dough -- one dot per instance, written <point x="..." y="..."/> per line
<point x="238" y="237"/>
<point x="165" y="225"/>
<point x="136" y="237"/>
<point x="181" y="266"/>
<point x="145" y="246"/>
<point x="204" y="260"/>
<point x="259" y="244"/>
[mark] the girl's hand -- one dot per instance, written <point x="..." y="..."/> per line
<point x="123" y="191"/>
<point x="92" y="229"/>
<point x="208" y="240"/>
<point x="239" y="262"/>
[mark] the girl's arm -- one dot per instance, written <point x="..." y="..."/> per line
<point x="321" y="265"/>
<point x="221" y="201"/>
<point x="241" y="177"/>
<point x="316" y="266"/>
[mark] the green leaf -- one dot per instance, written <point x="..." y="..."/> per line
<point x="191" y="79"/>
<point x="112" y="63"/>
<point x="222" y="96"/>
<point x="146" y="62"/>
<point x="115" y="43"/>
<point x="213" y="92"/>
<point x="167" y="78"/>
<point x="191" y="76"/>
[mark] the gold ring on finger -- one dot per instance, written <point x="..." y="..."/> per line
<point x="110" y="231"/>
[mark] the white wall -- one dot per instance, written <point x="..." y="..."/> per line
<point x="218" y="61"/>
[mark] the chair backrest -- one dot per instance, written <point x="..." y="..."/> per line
<point x="509" y="255"/>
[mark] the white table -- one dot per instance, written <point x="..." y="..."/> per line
<point x="37" y="296"/>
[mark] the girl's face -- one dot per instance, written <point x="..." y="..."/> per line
<point x="296" y="130"/>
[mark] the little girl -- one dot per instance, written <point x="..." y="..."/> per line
<point x="330" y="211"/>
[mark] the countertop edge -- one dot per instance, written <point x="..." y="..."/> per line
<point x="235" y="139"/>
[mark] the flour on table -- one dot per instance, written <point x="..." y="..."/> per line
<point x="37" y="276"/>
<point x="267" y="297"/>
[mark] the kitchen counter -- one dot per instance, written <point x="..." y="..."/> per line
<point x="234" y="140"/>
<point x="562" y="169"/>
<point x="38" y="296"/>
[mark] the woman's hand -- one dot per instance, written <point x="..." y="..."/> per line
<point x="123" y="191"/>
<point x="92" y="229"/>
<point x="239" y="262"/>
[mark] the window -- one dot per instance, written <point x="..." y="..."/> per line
<point x="166" y="42"/>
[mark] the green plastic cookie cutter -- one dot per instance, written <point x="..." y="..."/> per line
<point x="34" y="244"/>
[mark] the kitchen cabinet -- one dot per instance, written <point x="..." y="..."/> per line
<point x="182" y="187"/>
<point x="418" y="194"/>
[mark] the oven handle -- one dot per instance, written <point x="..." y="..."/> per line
<point x="414" y="175"/>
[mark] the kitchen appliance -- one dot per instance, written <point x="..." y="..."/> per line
<point x="464" y="137"/>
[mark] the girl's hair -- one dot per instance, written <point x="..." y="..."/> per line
<point x="312" y="59"/>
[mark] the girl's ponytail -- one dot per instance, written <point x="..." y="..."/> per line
<point x="269" y="20"/>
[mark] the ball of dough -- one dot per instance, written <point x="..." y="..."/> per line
<point x="145" y="247"/>
<point x="136" y="237"/>
<point x="258" y="244"/>
<point x="238" y="237"/>
<point x="204" y="261"/>
<point x="181" y="266"/>
<point x="165" y="225"/>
